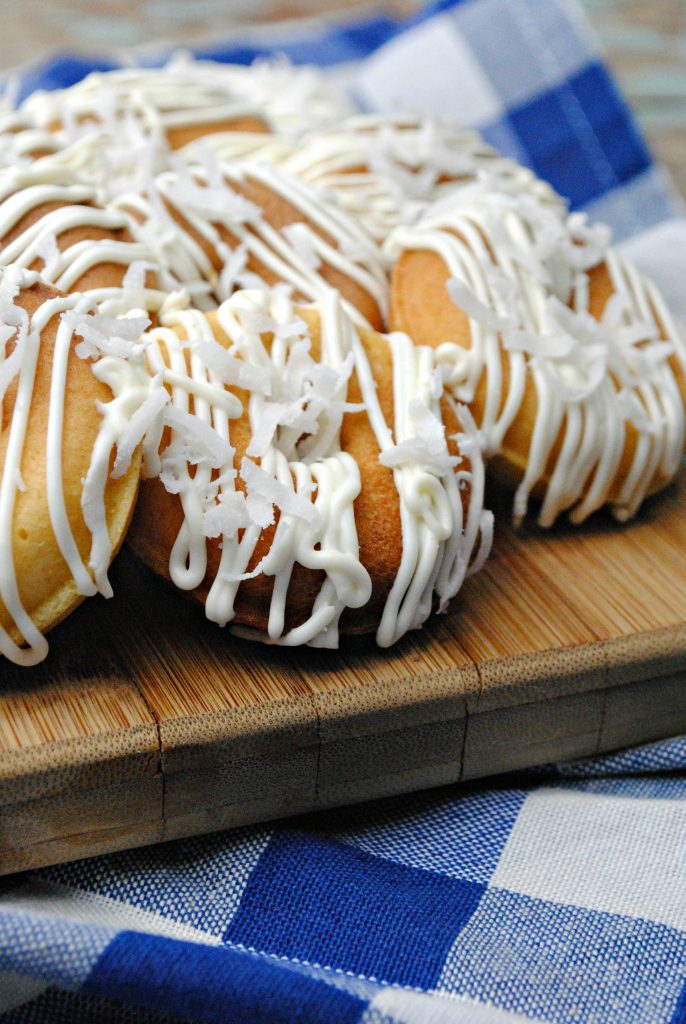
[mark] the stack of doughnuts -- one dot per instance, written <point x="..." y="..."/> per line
<point x="278" y="347"/>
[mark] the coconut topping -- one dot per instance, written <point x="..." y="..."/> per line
<point x="115" y="129"/>
<point x="520" y="272"/>
<point x="202" y="229"/>
<point x="386" y="169"/>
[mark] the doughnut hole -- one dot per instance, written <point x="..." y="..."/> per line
<point x="279" y="213"/>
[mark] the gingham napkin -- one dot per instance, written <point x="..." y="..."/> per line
<point x="559" y="895"/>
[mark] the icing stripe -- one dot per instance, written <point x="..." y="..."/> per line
<point x="521" y="273"/>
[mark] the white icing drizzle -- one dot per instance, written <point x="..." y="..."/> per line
<point x="188" y="92"/>
<point x="22" y="364"/>
<point x="209" y="198"/>
<point x="302" y="469"/>
<point x="386" y="169"/>
<point x="23" y="190"/>
<point x="437" y="542"/>
<point x="20" y="141"/>
<point x="236" y="147"/>
<point x="516" y="268"/>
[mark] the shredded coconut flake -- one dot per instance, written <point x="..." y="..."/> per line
<point x="106" y="336"/>
<point x="227" y="515"/>
<point x="133" y="284"/>
<point x="204" y="443"/>
<point x="232" y="270"/>
<point x="217" y="202"/>
<point x="470" y="440"/>
<point x="304" y="242"/>
<point x="427" y="448"/>
<point x="137" y="428"/>
<point x="48" y="250"/>
<point x="231" y="370"/>
<point x="264" y="490"/>
<point x="465" y="299"/>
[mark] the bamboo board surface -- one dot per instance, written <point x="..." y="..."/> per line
<point x="148" y="723"/>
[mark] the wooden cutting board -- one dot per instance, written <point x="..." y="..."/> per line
<point x="148" y="723"/>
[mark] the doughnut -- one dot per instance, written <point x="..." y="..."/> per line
<point x="569" y="359"/>
<point x="386" y="169"/>
<point x="209" y="226"/>
<point x="116" y="128"/>
<point x="58" y="441"/>
<point x="63" y="515"/>
<point x="189" y="98"/>
<point x="377" y="480"/>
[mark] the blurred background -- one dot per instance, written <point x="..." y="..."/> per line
<point x="645" y="41"/>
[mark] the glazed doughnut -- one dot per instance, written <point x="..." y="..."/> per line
<point x="570" y="361"/>
<point x="57" y="495"/>
<point x="115" y="129"/>
<point x="189" y="98"/>
<point x="386" y="169"/>
<point x="211" y="226"/>
<point x="376" y="478"/>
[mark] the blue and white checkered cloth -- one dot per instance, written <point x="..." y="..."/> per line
<point x="558" y="895"/>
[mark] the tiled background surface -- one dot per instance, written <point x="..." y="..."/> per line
<point x="645" y="39"/>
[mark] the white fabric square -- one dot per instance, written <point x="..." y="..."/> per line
<point x="49" y="899"/>
<point x="429" y="70"/>
<point x="526" y="46"/>
<point x="604" y="853"/>
<point x="415" y="1008"/>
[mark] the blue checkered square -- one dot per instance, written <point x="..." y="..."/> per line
<point x="315" y="900"/>
<point x="589" y="145"/>
<point x="214" y="985"/>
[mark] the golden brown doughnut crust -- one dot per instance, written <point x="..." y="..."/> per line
<point x="179" y="136"/>
<point x="45" y="583"/>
